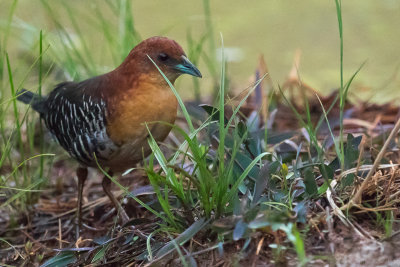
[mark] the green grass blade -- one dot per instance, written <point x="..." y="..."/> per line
<point x="222" y="133"/>
<point x="180" y="101"/>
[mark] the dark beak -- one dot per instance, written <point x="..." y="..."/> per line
<point x="188" y="67"/>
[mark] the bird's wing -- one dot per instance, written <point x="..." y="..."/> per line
<point x="78" y="121"/>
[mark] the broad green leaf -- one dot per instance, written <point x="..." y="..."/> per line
<point x="301" y="212"/>
<point x="100" y="254"/>
<point x="351" y="151"/>
<point x="240" y="229"/>
<point x="322" y="189"/>
<point x="326" y="171"/>
<point x="183" y="237"/>
<point x="347" y="180"/>
<point x="62" y="259"/>
<point x="309" y="182"/>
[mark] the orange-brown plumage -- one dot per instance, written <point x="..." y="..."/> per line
<point x="106" y="116"/>
<point x="146" y="103"/>
<point x="140" y="96"/>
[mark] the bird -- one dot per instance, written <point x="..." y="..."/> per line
<point x="108" y="119"/>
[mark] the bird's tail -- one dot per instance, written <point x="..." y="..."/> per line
<point x="28" y="97"/>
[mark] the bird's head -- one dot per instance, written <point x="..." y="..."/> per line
<point x="167" y="54"/>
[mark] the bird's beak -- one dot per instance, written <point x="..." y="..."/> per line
<point x="188" y="67"/>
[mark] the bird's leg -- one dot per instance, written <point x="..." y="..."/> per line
<point x="107" y="189"/>
<point x="82" y="174"/>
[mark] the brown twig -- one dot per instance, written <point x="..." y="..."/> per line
<point x="356" y="200"/>
<point x="59" y="233"/>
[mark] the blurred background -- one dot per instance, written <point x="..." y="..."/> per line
<point x="275" y="28"/>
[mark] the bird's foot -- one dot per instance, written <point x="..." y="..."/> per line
<point x="78" y="227"/>
<point x="124" y="216"/>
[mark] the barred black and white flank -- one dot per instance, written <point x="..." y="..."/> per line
<point x="77" y="121"/>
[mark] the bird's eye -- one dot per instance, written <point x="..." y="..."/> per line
<point x="163" y="57"/>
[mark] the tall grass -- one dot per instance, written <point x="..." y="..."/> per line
<point x="344" y="88"/>
<point x="22" y="183"/>
<point x="40" y="79"/>
<point x="16" y="116"/>
<point x="3" y="45"/>
<point x="342" y="92"/>
<point x="26" y="180"/>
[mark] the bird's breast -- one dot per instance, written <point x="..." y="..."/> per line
<point x="146" y="104"/>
